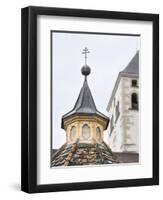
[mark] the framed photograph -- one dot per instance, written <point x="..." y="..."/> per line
<point x="90" y="99"/>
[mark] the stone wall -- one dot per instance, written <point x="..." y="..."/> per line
<point x="125" y="134"/>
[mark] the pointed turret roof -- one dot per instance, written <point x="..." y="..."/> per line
<point x="85" y="104"/>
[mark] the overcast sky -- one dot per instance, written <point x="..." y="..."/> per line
<point x="109" y="54"/>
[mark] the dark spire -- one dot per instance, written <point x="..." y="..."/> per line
<point x="85" y="103"/>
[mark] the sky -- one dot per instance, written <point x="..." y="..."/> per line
<point x="109" y="54"/>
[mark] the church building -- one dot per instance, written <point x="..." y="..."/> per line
<point x="84" y="127"/>
<point x="123" y="110"/>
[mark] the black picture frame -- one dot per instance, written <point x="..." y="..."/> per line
<point x="29" y="98"/>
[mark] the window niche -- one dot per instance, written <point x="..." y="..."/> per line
<point x="98" y="134"/>
<point x="86" y="133"/>
<point x="73" y="134"/>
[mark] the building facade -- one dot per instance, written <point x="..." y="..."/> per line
<point x="123" y="110"/>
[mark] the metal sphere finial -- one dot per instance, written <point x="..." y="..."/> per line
<point x="86" y="70"/>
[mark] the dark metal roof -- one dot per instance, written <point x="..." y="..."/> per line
<point x="85" y="103"/>
<point x="133" y="66"/>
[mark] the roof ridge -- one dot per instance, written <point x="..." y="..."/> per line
<point x="70" y="155"/>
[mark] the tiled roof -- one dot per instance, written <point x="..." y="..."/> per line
<point x="83" y="154"/>
<point x="85" y="104"/>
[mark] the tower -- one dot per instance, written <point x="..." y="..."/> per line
<point x="84" y="127"/>
<point x="123" y="109"/>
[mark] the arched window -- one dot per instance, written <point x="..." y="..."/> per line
<point x="98" y="134"/>
<point x="73" y="133"/>
<point x="86" y="132"/>
<point x="134" y="101"/>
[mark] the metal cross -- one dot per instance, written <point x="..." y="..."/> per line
<point x="85" y="51"/>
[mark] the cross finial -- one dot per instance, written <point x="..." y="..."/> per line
<point x="85" y="51"/>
